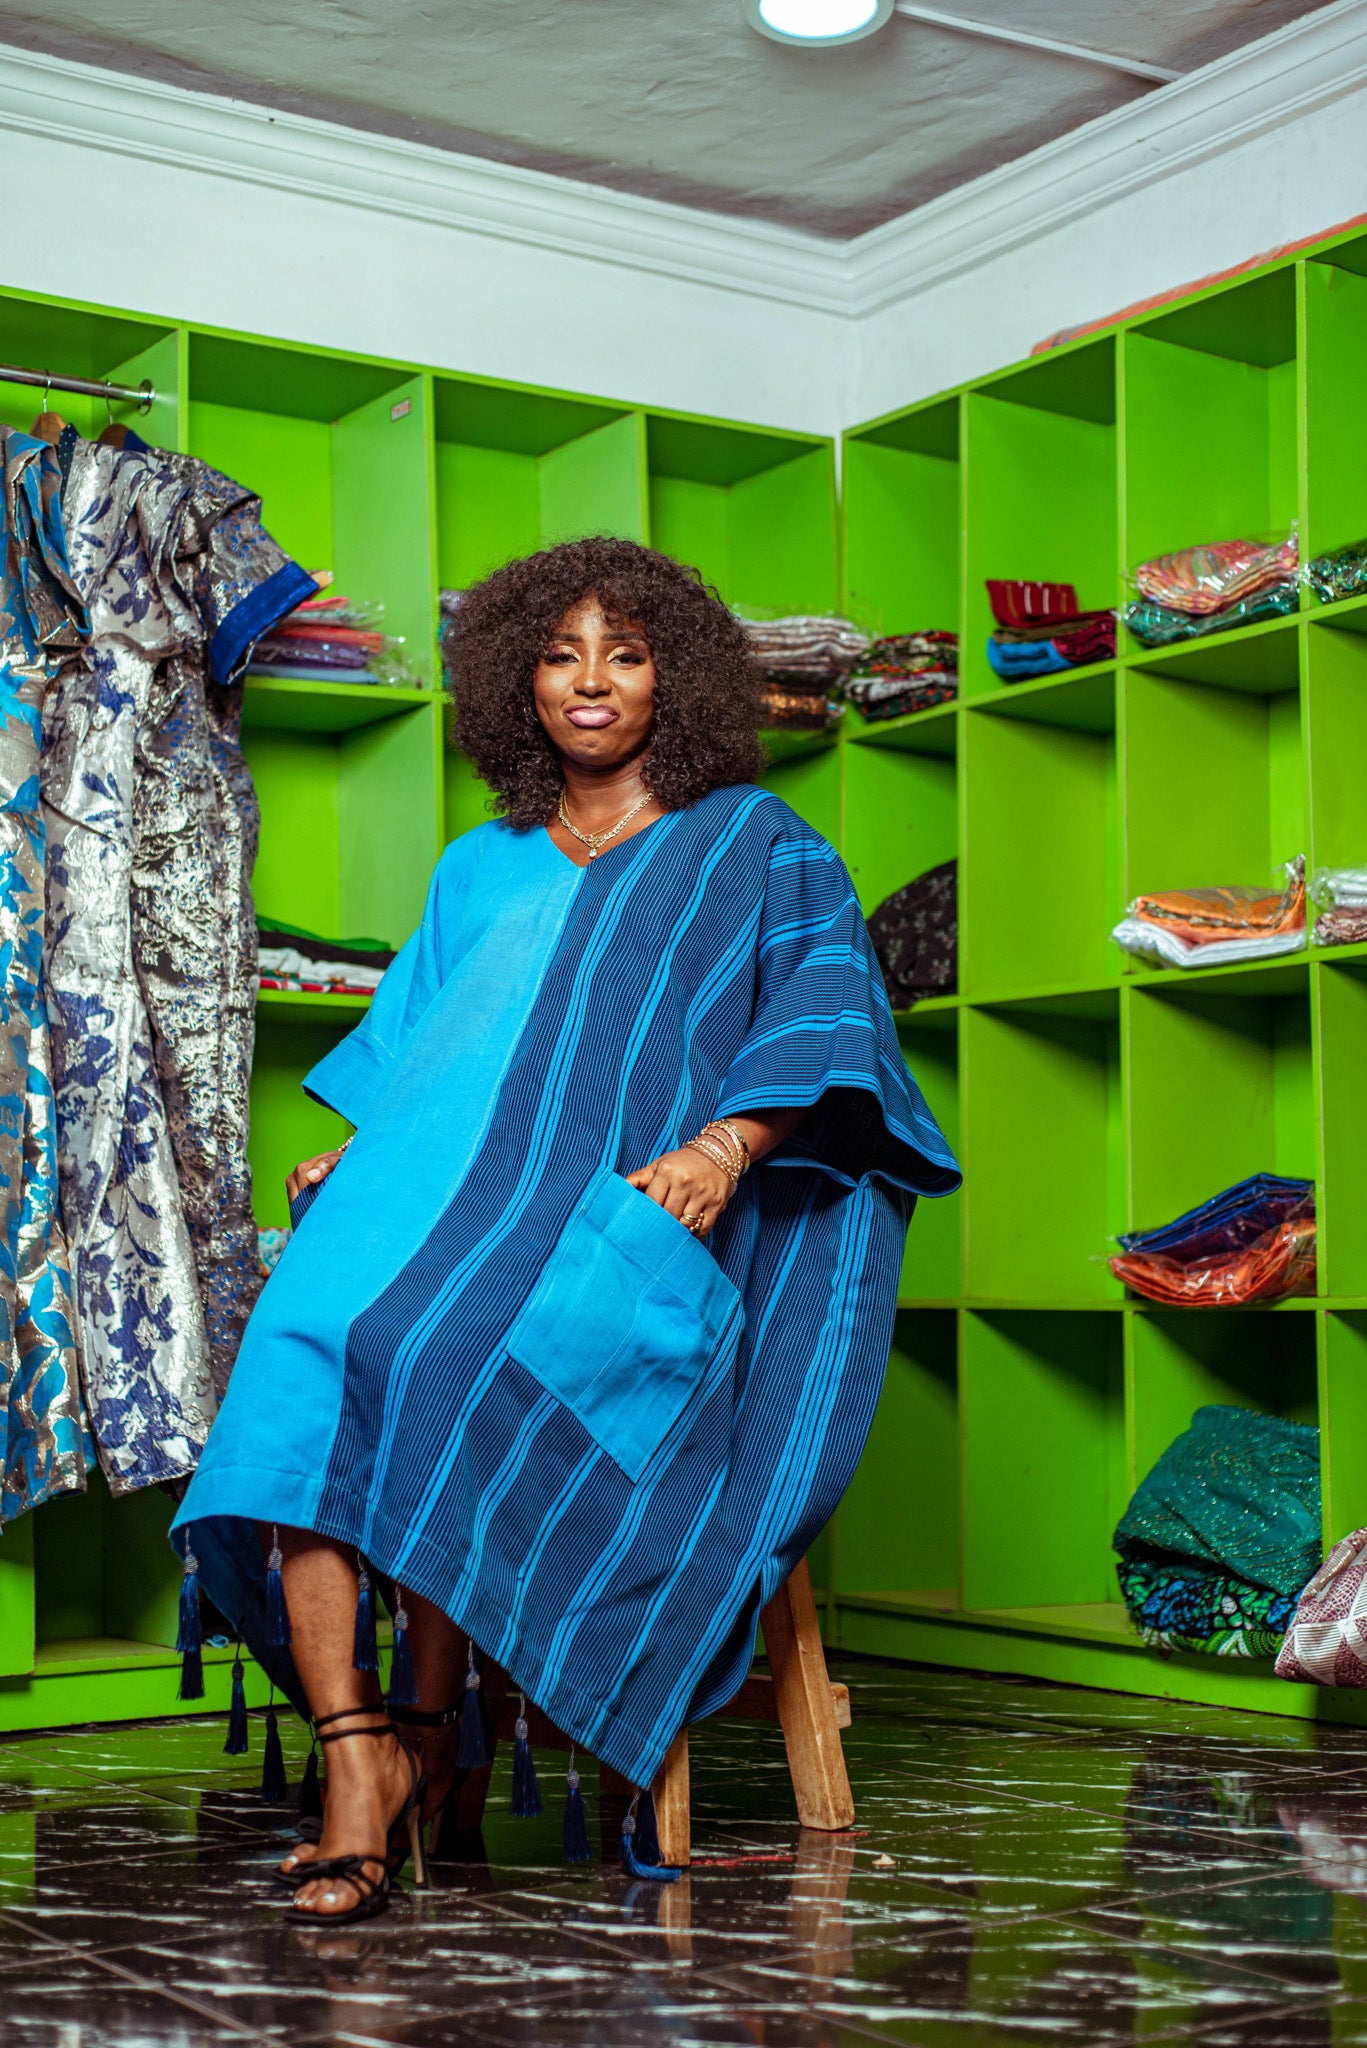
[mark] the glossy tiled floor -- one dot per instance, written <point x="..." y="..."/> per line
<point x="1065" y="1866"/>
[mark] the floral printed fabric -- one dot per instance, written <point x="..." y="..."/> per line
<point x="42" y="1448"/>
<point x="1176" y="1605"/>
<point x="152" y="943"/>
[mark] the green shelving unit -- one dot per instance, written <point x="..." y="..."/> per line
<point x="1027" y="1394"/>
<point x="401" y="479"/>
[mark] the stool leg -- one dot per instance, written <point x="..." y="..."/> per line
<point x="671" y="1794"/>
<point x="802" y="1693"/>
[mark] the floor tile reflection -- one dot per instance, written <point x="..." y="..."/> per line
<point x="1029" y="1861"/>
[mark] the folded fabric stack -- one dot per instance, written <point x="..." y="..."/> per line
<point x="915" y="934"/>
<point x="327" y="639"/>
<point x="1222" y="1535"/>
<point x="1209" y="589"/>
<point x="1342" y="573"/>
<point x="290" y="958"/>
<point x="1253" y="1242"/>
<point x="905" y="672"/>
<point x="1341" y="896"/>
<point x="803" y="661"/>
<point x="1041" y="631"/>
<point x="1215" y="927"/>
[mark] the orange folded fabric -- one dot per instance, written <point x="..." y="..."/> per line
<point x="1279" y="1263"/>
<point x="1201" y="915"/>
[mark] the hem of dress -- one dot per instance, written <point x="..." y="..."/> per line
<point x="261" y="1494"/>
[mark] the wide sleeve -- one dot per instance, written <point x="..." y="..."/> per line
<point x="237" y="581"/>
<point x="822" y="1035"/>
<point x="351" y="1078"/>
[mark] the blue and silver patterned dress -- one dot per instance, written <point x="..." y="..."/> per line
<point x="42" y="1449"/>
<point x="512" y="1382"/>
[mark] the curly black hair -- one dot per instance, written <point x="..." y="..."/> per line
<point x="707" y="691"/>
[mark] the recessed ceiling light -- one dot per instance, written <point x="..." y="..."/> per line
<point x="817" y="21"/>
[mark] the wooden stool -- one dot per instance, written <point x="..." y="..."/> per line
<point x="795" y="1691"/>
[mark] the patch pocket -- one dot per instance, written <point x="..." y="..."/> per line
<point x="629" y="1316"/>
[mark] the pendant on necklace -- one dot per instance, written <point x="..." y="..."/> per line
<point x="593" y="853"/>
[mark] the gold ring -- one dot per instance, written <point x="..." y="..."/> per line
<point x="691" y="1222"/>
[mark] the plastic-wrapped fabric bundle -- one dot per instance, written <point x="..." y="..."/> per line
<point x="915" y="935"/>
<point x="816" y="644"/>
<point x="331" y="639"/>
<point x="1212" y="927"/>
<point x="1253" y="1242"/>
<point x="1341" y="897"/>
<point x="905" y="672"/>
<point x="1339" y="574"/>
<point x="1223" y="1533"/>
<point x="799" y="710"/>
<point x="290" y="958"/>
<point x="1212" y="588"/>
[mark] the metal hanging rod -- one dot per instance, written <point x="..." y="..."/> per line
<point x="936" y="17"/>
<point x="141" y="395"/>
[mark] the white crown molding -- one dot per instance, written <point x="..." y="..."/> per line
<point x="1282" y="78"/>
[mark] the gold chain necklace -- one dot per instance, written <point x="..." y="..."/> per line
<point x="596" y="841"/>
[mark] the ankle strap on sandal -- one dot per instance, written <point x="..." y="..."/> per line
<point x="345" y="1714"/>
<point x="415" y="1717"/>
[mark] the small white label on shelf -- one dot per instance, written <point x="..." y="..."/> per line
<point x="399" y="411"/>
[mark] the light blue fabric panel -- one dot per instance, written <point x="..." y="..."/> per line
<point x="454" y="1004"/>
<point x="628" y="1317"/>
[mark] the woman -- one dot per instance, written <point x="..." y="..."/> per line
<point x="580" y="1338"/>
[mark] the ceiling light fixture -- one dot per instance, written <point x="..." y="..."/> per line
<point x="817" y="22"/>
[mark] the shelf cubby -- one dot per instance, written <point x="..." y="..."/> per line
<point x="1185" y="1359"/>
<point x="901" y="806"/>
<point x="518" y="470"/>
<point x="1335" y="374"/>
<point x="1043" y="433"/>
<point x="340" y="452"/>
<point x="903" y="523"/>
<point x="287" y="1125"/>
<point x="1215" y="787"/>
<point x="92" y="342"/>
<point x="1209" y="421"/>
<point x="932" y="1265"/>
<point x="1043" y="1418"/>
<point x="1336" y="739"/>
<point x="1041" y="1109"/>
<point x="1219" y="1084"/>
<point x="754" y="511"/>
<point x="1039" y="835"/>
<point x="1343" y="1420"/>
<point x="916" y="1549"/>
<point x="1340" y="988"/>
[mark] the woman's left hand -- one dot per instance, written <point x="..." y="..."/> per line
<point x="687" y="1183"/>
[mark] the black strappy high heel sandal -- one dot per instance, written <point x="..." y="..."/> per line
<point x="444" y="1717"/>
<point x="372" y="1893"/>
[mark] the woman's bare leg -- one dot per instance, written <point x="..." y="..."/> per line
<point x="439" y="1667"/>
<point x="368" y="1778"/>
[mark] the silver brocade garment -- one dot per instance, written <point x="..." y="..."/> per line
<point x="152" y="937"/>
<point x="42" y="1437"/>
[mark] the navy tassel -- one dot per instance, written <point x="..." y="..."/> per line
<point x="277" y="1613"/>
<point x="526" y="1792"/>
<point x="574" y="1829"/>
<point x="310" y="1792"/>
<point x="365" y="1655"/>
<point x="236" y="1745"/>
<point x="658" y="1873"/>
<point x="473" y="1753"/>
<point x="273" y="1786"/>
<point x="189" y="1635"/>
<point x="403" y="1681"/>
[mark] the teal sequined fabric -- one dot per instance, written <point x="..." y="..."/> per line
<point x="1223" y="1533"/>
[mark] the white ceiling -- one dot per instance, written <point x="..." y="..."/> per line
<point x="671" y="99"/>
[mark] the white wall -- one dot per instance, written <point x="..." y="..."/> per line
<point x="198" y="208"/>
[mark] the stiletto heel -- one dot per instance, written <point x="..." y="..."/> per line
<point x="372" y="1893"/>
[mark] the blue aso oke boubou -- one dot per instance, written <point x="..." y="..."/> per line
<point x="515" y="1384"/>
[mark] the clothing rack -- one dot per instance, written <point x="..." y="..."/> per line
<point x="142" y="395"/>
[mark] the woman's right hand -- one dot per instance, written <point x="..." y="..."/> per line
<point x="310" y="1171"/>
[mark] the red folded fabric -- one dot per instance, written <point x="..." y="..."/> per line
<point x="1031" y="604"/>
<point x="1279" y="1263"/>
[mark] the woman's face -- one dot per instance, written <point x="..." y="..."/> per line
<point x="595" y="688"/>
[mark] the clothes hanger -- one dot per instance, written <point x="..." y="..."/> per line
<point x="48" y="426"/>
<point x="114" y="434"/>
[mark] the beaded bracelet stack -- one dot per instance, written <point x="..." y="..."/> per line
<point x="724" y="1144"/>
